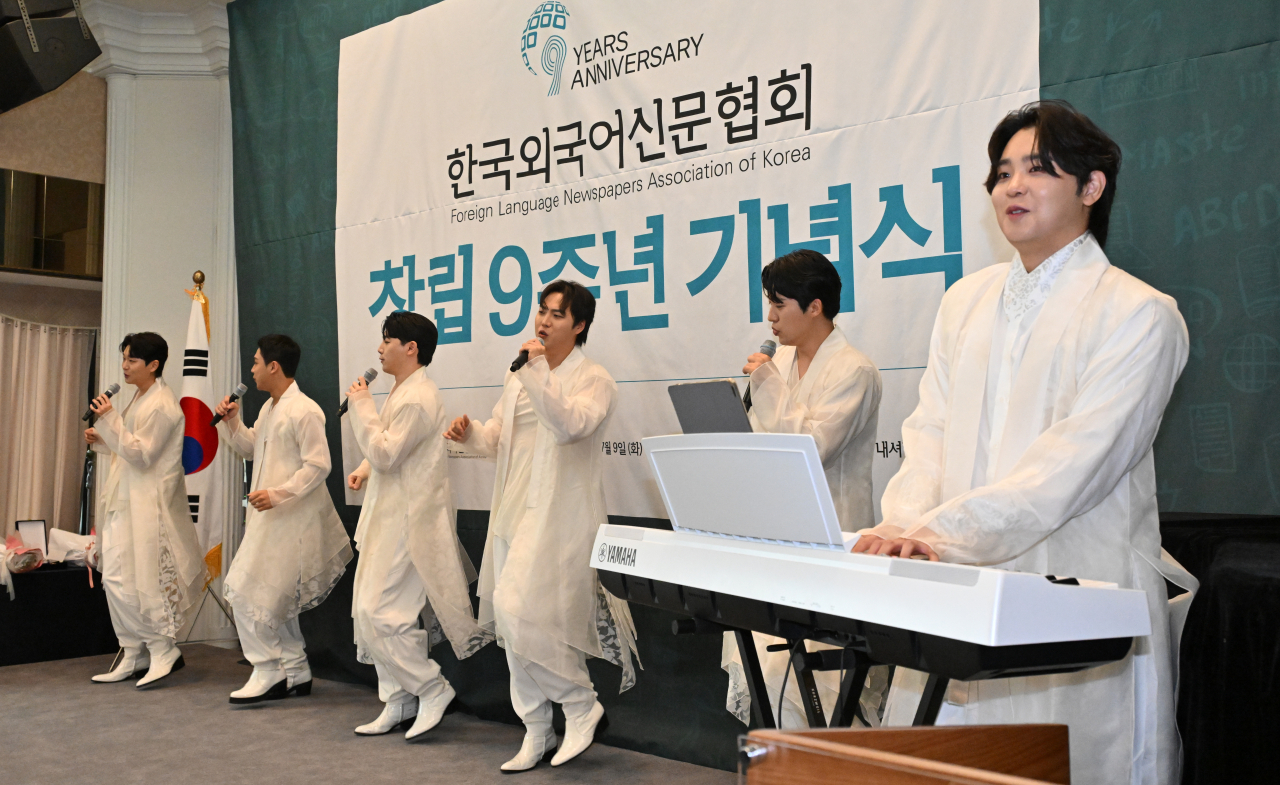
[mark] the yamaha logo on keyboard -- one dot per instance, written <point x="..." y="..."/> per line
<point x="617" y="554"/>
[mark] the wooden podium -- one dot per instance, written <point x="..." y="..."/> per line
<point x="977" y="755"/>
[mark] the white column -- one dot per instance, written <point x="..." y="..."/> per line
<point x="121" y="95"/>
<point x="168" y="206"/>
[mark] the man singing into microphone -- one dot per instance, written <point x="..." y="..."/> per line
<point x="1031" y="448"/>
<point x="536" y="588"/>
<point x="410" y="556"/>
<point x="152" y="565"/>
<point x="295" y="548"/>
<point x="818" y="384"/>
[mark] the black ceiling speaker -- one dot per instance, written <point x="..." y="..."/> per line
<point x="63" y="46"/>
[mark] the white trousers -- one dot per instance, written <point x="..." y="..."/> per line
<point x="533" y="687"/>
<point x="132" y="630"/>
<point x="386" y="608"/>
<point x="279" y="649"/>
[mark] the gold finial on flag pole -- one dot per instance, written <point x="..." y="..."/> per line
<point x="197" y="293"/>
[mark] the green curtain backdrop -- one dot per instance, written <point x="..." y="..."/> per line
<point x="1190" y="89"/>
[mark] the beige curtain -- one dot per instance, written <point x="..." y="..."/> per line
<point x="44" y="377"/>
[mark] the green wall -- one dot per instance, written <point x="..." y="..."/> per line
<point x="1191" y="90"/>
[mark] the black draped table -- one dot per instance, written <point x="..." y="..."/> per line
<point x="1229" y="700"/>
<point x="54" y="615"/>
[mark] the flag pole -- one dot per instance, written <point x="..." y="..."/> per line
<point x="197" y="294"/>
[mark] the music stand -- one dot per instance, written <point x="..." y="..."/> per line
<point x="767" y="487"/>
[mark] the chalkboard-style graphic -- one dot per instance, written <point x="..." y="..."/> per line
<point x="1259" y="280"/>
<point x="1202" y="311"/>
<point x="1252" y="363"/>
<point x="1121" y="249"/>
<point x="1150" y="84"/>
<point x="1211" y="439"/>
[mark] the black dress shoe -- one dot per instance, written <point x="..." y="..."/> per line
<point x="277" y="692"/>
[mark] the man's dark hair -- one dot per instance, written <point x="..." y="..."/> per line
<point x="406" y="326"/>
<point x="1066" y="140"/>
<point x="146" y="347"/>
<point x="280" y="349"/>
<point x="804" y="276"/>
<point x="577" y="301"/>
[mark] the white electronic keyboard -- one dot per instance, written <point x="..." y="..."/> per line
<point x="793" y="576"/>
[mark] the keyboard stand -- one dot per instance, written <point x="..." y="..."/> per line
<point x="855" y="666"/>
<point x="860" y="645"/>
<point x="935" y="689"/>
<point x="761" y="711"/>
<point x="852" y="662"/>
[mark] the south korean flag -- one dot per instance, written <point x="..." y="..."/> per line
<point x="200" y="445"/>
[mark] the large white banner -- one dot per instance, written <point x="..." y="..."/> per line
<point x="663" y="152"/>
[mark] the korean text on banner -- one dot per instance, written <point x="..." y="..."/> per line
<point x="661" y="154"/>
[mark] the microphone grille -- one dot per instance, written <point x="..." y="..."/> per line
<point x="769" y="348"/>
<point x="113" y="389"/>
<point x="370" y="375"/>
<point x="241" y="390"/>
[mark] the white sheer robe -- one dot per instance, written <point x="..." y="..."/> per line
<point x="409" y="506"/>
<point x="293" y="554"/>
<point x="837" y="401"/>
<point x="1071" y="491"/>
<point x="551" y="599"/>
<point x="151" y="544"/>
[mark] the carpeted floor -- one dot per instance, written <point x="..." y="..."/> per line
<point x="57" y="726"/>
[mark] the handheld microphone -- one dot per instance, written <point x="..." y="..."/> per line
<point x="110" y="391"/>
<point x="523" y="358"/>
<point x="768" y="347"/>
<point x="235" y="396"/>
<point x="369" y="376"/>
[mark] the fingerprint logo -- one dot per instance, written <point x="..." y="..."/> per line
<point x="553" y="55"/>
<point x="540" y="31"/>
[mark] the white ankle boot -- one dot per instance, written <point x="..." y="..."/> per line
<point x="128" y="664"/>
<point x="431" y="710"/>
<point x="536" y="748"/>
<point x="394" y="716"/>
<point x="299" y="683"/>
<point x="162" y="664"/>
<point x="579" y="732"/>
<point x="263" y="685"/>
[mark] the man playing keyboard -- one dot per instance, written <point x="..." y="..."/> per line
<point x="1031" y="447"/>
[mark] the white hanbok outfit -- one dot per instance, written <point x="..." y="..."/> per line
<point x="153" y="569"/>
<point x="411" y="561"/>
<point x="293" y="554"/>
<point x="537" y="590"/>
<point x="837" y="401"/>
<point x="1031" y="450"/>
